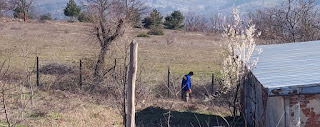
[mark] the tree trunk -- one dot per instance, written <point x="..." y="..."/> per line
<point x="98" y="72"/>
<point x="24" y="15"/>
<point x="235" y="104"/>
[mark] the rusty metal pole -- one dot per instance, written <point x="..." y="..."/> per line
<point x="131" y="86"/>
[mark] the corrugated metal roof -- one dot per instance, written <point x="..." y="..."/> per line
<point x="288" y="65"/>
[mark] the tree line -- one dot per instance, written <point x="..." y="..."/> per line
<point x="24" y="9"/>
<point x="291" y="21"/>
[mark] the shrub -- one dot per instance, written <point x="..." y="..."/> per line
<point x="57" y="69"/>
<point x="143" y="35"/>
<point x="83" y="17"/>
<point x="147" y="22"/>
<point x="156" y="31"/>
<point x="45" y="17"/>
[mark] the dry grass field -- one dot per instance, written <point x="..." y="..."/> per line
<point x="67" y="43"/>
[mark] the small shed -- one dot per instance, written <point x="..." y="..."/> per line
<point x="284" y="87"/>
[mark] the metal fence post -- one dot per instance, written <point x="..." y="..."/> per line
<point x="38" y="82"/>
<point x="115" y="69"/>
<point x="80" y="73"/>
<point x="212" y="84"/>
<point x="168" y="81"/>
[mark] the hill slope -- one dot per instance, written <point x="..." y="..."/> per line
<point x="62" y="103"/>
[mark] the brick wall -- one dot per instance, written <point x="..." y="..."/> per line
<point x="309" y="110"/>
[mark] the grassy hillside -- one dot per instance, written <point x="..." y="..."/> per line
<point x="67" y="43"/>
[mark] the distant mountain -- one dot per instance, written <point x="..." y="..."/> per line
<point x="205" y="7"/>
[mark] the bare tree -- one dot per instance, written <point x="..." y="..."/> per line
<point x="24" y="5"/>
<point x="4" y="6"/>
<point x="294" y="20"/>
<point x="309" y="25"/>
<point x="109" y="18"/>
<point x="195" y="22"/>
<point x="217" y="23"/>
<point x="134" y="9"/>
<point x="108" y="23"/>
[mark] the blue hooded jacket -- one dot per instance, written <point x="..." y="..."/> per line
<point x="186" y="83"/>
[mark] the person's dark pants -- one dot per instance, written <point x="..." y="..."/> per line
<point x="185" y="95"/>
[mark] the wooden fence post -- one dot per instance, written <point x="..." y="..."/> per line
<point x="80" y="74"/>
<point x="38" y="82"/>
<point x="212" y="84"/>
<point x="168" y="81"/>
<point x="131" y="86"/>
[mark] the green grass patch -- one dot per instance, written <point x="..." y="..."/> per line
<point x="143" y="35"/>
<point x="54" y="115"/>
<point x="37" y="114"/>
<point x="26" y="96"/>
<point x="3" y="124"/>
<point x="156" y="32"/>
<point x="95" y="115"/>
<point x="20" y="125"/>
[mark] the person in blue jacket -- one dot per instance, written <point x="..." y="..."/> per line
<point x="186" y="87"/>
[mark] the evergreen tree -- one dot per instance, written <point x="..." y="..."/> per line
<point x="147" y="22"/>
<point x="154" y="20"/>
<point x="174" y="21"/>
<point x="72" y="10"/>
